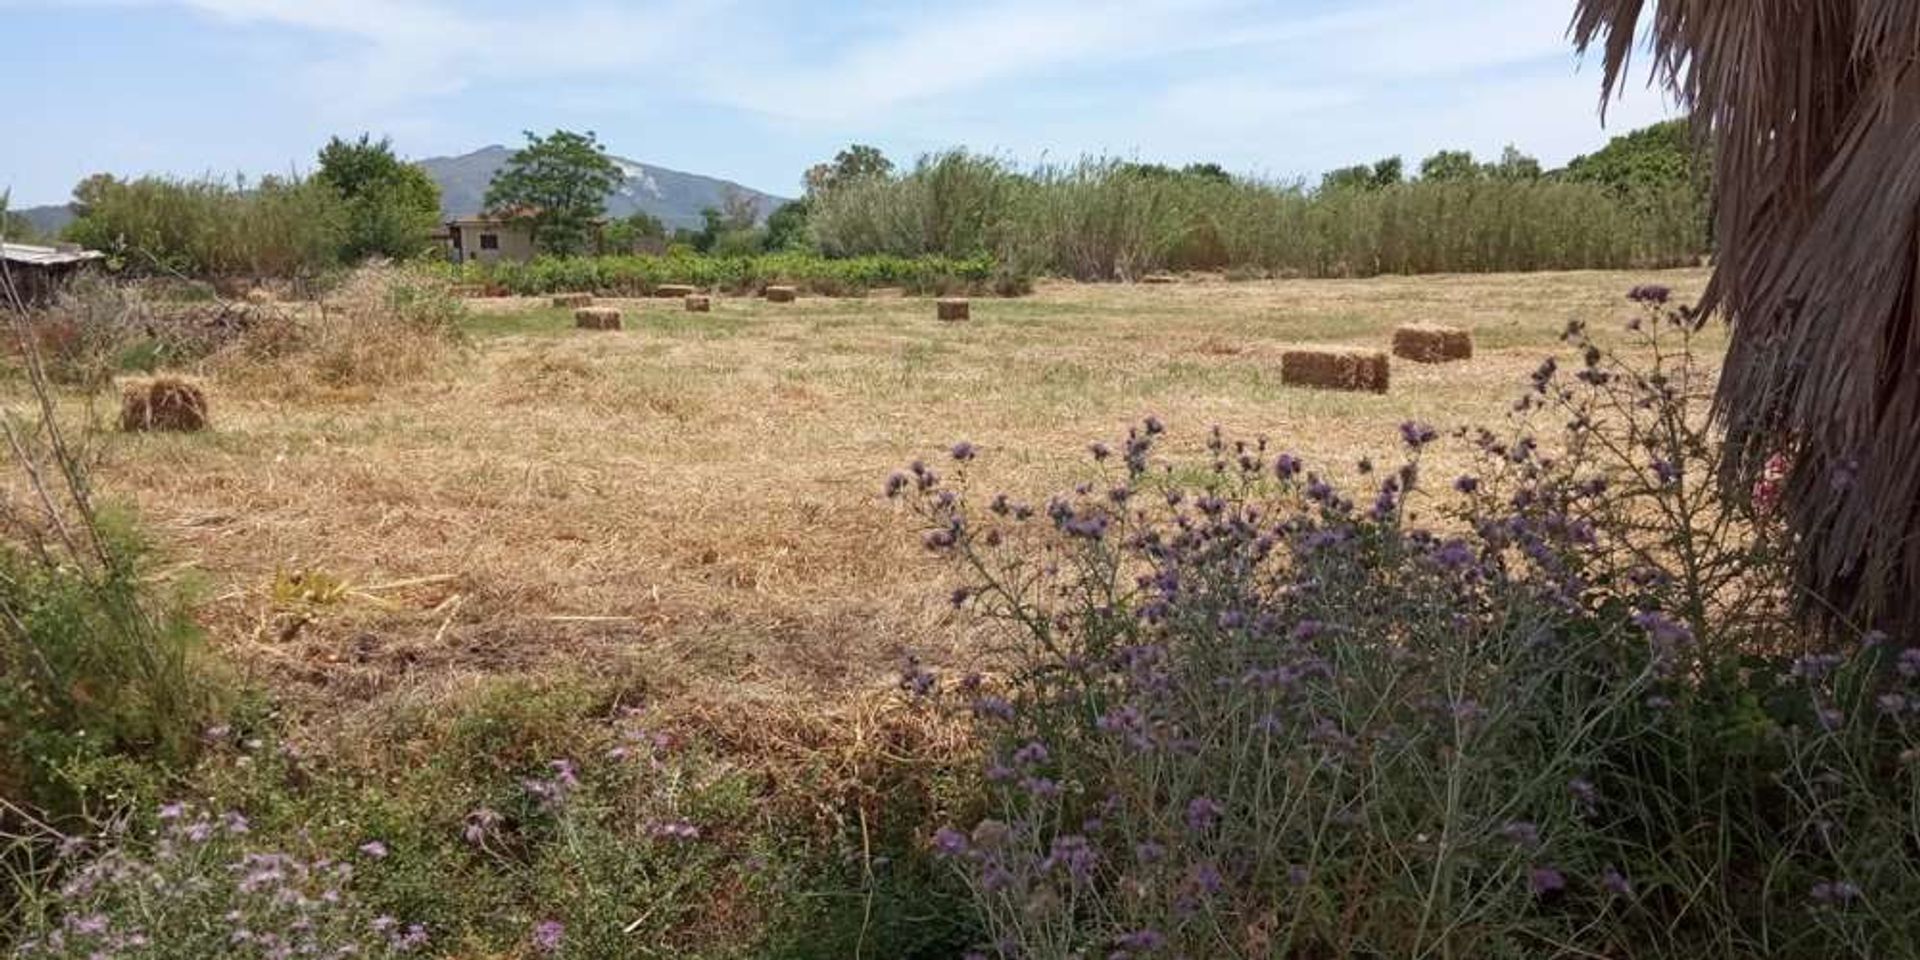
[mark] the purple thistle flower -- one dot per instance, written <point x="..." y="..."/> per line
<point x="1203" y="814"/>
<point x="1909" y="663"/>
<point x="950" y="842"/>
<point x="674" y="830"/>
<point x="1836" y="892"/>
<point x="1521" y="833"/>
<point x="1467" y="484"/>
<point x="1616" y="883"/>
<point x="1033" y="754"/>
<point x="1073" y="854"/>
<point x="479" y="826"/>
<point x="1416" y="434"/>
<point x="1651" y="294"/>
<point x="896" y="483"/>
<point x="1147" y="939"/>
<point x="1100" y="451"/>
<point x="963" y="451"/>
<point x="547" y="935"/>
<point x="1286" y="466"/>
<point x="1544" y="880"/>
<point x="374" y="849"/>
<point x="1891" y="703"/>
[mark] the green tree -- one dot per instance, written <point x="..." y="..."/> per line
<point x="391" y="205"/>
<point x="1450" y="165"/>
<point x="787" y="226"/>
<point x="1383" y="173"/>
<point x="629" y="233"/>
<point x="850" y="166"/>
<point x="14" y="228"/>
<point x="1514" y="165"/>
<point x="1662" y="155"/>
<point x="556" y="186"/>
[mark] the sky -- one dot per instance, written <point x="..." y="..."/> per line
<point x="757" y="90"/>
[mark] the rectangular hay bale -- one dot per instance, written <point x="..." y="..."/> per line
<point x="782" y="294"/>
<point x="699" y="303"/>
<point x="597" y="318"/>
<point x="1335" y="368"/>
<point x="953" y="308"/>
<point x="1432" y="343"/>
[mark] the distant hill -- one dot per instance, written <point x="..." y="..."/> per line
<point x="48" y="220"/>
<point x="675" y="197"/>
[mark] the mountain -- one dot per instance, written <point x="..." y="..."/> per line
<point x="48" y="220"/>
<point x="675" y="197"/>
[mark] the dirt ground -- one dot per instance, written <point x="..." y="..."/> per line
<point x="703" y="491"/>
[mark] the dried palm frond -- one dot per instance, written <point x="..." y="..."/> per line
<point x="1813" y="110"/>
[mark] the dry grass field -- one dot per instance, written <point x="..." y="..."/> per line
<point x="700" y="494"/>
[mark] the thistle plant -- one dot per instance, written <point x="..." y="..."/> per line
<point x="1240" y="711"/>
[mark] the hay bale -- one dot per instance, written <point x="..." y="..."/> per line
<point x="597" y="318"/>
<point x="953" y="308"/>
<point x="1335" y="368"/>
<point x="699" y="303"/>
<point x="162" y="403"/>
<point x="1432" y="343"/>
<point x="669" y="291"/>
<point x="573" y="301"/>
<point x="782" y="294"/>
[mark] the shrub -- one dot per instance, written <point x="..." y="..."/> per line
<point x="276" y="228"/>
<point x="383" y="326"/>
<point x="101" y="659"/>
<point x="1240" y="714"/>
<point x="641" y="275"/>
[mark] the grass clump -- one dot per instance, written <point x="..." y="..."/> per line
<point x="1560" y="709"/>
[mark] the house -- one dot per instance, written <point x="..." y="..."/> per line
<point x="37" y="273"/>
<point x="484" y="239"/>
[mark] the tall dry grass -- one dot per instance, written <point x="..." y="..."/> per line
<point x="1103" y="219"/>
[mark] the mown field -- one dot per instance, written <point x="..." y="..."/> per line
<point x="659" y="560"/>
<point x="703" y="491"/>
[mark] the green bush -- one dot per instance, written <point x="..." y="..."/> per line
<point x="100" y="661"/>
<point x="640" y="275"/>
<point x="277" y="228"/>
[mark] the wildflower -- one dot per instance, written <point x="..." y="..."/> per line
<point x="234" y="822"/>
<point x="949" y="842"/>
<point x="1544" y="880"/>
<point x="1467" y="484"/>
<point x="1206" y="878"/>
<point x="895" y="484"/>
<point x="1149" y="852"/>
<point x="963" y="451"/>
<point x="479" y="826"/>
<point x="1651" y="294"/>
<point x="1100" y="451"/>
<point x="547" y="935"/>
<point x="1615" y="882"/>
<point x="674" y="830"/>
<point x="1286" y="466"/>
<point x="1663" y="630"/>
<point x="1667" y="472"/>
<point x="1416" y="435"/>
<point x="1033" y="754"/>
<point x="1584" y="792"/>
<point x="1909" y="663"/>
<point x="1041" y="787"/>
<point x="1891" y="703"/>
<point x="1203" y="813"/>
<point x="1143" y="939"/>
<point x="1074" y="855"/>
<point x="992" y="707"/>
<point x="1521" y="833"/>
<point x="1815" y="666"/>
<point x="374" y="849"/>
<point x="1154" y="426"/>
<point x="1836" y="892"/>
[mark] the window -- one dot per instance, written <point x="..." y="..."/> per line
<point x="489" y="241"/>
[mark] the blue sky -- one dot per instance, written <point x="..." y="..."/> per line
<point x="756" y="90"/>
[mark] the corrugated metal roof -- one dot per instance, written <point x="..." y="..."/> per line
<point x="45" y="256"/>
